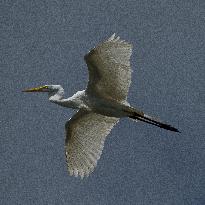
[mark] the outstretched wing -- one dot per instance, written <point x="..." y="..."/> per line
<point x="109" y="69"/>
<point x="85" y="136"/>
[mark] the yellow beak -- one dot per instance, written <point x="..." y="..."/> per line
<point x="38" y="89"/>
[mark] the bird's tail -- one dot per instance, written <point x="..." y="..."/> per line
<point x="138" y="115"/>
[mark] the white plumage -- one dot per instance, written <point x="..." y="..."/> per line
<point x="85" y="136"/>
<point x="109" y="78"/>
<point x="100" y="106"/>
<point x="109" y="69"/>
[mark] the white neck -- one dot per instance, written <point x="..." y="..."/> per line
<point x="57" y="98"/>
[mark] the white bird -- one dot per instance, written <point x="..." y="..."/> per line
<point x="100" y="105"/>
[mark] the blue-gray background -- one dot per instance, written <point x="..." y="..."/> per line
<point x="43" y="42"/>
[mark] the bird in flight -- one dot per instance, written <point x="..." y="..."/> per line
<point x="100" y="105"/>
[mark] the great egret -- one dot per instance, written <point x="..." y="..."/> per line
<point x="100" y="105"/>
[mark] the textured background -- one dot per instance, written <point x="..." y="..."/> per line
<point x="43" y="42"/>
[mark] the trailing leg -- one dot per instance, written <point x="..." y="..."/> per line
<point x="138" y="115"/>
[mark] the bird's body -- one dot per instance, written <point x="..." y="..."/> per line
<point x="100" y="105"/>
<point x="82" y="100"/>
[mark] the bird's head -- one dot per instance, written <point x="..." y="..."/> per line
<point x="46" y="88"/>
<point x="55" y="92"/>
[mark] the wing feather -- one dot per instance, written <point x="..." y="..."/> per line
<point x="109" y="69"/>
<point x="85" y="136"/>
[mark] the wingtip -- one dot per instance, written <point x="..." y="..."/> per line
<point x="111" y="37"/>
